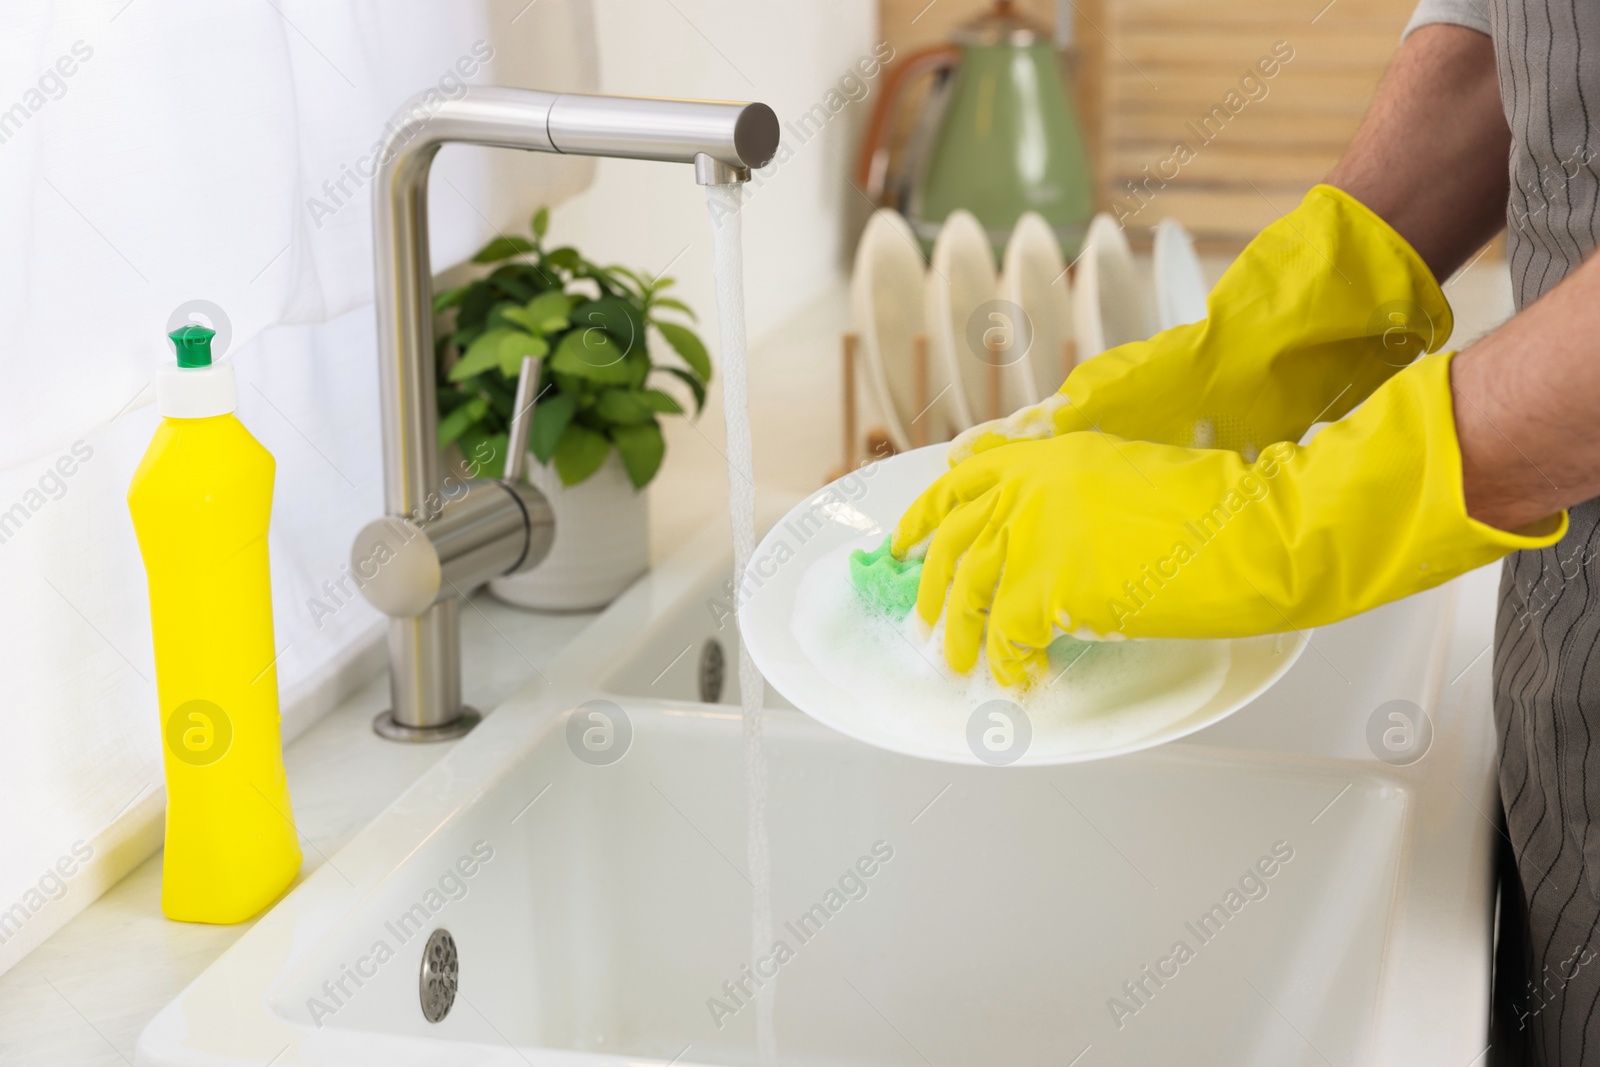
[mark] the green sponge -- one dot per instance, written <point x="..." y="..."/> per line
<point x="888" y="585"/>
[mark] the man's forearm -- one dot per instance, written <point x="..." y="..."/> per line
<point x="1527" y="408"/>
<point x="1431" y="160"/>
<point x="1430" y="157"/>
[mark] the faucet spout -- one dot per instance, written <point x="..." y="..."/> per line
<point x="722" y="141"/>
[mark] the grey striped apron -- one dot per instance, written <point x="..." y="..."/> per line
<point x="1547" y="635"/>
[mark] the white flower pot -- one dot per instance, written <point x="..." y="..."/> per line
<point x="602" y="542"/>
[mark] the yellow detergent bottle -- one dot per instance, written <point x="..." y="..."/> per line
<point x="201" y="500"/>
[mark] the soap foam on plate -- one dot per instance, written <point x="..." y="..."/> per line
<point x="1094" y="695"/>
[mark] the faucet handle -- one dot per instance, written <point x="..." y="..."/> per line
<point x="521" y="419"/>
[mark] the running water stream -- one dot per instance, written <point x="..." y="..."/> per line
<point x="727" y="267"/>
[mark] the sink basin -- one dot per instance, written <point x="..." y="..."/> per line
<point x="1266" y="892"/>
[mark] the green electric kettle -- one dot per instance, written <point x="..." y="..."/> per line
<point x="999" y="136"/>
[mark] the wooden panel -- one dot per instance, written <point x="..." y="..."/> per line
<point x="1218" y="214"/>
<point x="1224" y="163"/>
<point x="1170" y="62"/>
<point x="1180" y="43"/>
<point x="1261" y="128"/>
<point x="1340" y="92"/>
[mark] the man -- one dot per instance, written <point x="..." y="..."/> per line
<point x="1162" y="493"/>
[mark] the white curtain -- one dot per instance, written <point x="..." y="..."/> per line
<point x="154" y="153"/>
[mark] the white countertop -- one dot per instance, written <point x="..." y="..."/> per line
<point x="81" y="998"/>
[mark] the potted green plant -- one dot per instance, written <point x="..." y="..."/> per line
<point x="595" y="434"/>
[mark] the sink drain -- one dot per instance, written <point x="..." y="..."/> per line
<point x="441" y="970"/>
<point x="713" y="672"/>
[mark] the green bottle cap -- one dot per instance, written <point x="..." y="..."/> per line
<point x="194" y="345"/>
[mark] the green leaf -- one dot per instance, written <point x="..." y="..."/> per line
<point x="511" y="282"/>
<point x="541" y="221"/>
<point x="548" y="279"/>
<point x="531" y="275"/>
<point x="550" y="419"/>
<point x="619" y="407"/>
<point x="475" y="306"/>
<point x="514" y="346"/>
<point x="569" y="384"/>
<point x="545" y="313"/>
<point x="503" y="247"/>
<point x="563" y="258"/>
<point x="696" y="386"/>
<point x="641" y="448"/>
<point x="579" y="453"/>
<point x="638" y="363"/>
<point x="677" y="305"/>
<point x="551" y="305"/>
<point x="660" y="402"/>
<point x="483" y="353"/>
<point x="616" y="316"/>
<point x="689" y="347"/>
<point x="519" y="316"/>
<point x="462" y="419"/>
<point x="604" y="275"/>
<point x="592" y="354"/>
<point x="496" y="319"/>
<point x="483" y="451"/>
<point x="632" y="407"/>
<point x="449" y="298"/>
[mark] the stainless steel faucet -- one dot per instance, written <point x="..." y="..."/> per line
<point x="440" y="539"/>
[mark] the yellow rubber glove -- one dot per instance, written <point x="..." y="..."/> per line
<point x="1319" y="310"/>
<point x="1098" y="536"/>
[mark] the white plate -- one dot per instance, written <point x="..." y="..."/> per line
<point x="1109" y="303"/>
<point x="886" y="302"/>
<point x="1180" y="283"/>
<point x="857" y="511"/>
<point x="961" y="279"/>
<point x="1034" y="277"/>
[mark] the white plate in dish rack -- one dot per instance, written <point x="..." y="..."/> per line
<point x="853" y="514"/>
<point x="886" y="301"/>
<point x="961" y="284"/>
<point x="1034" y="276"/>
<point x="1180" y="281"/>
<point x="1110" y="300"/>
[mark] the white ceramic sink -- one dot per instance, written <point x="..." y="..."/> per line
<point x="597" y="909"/>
